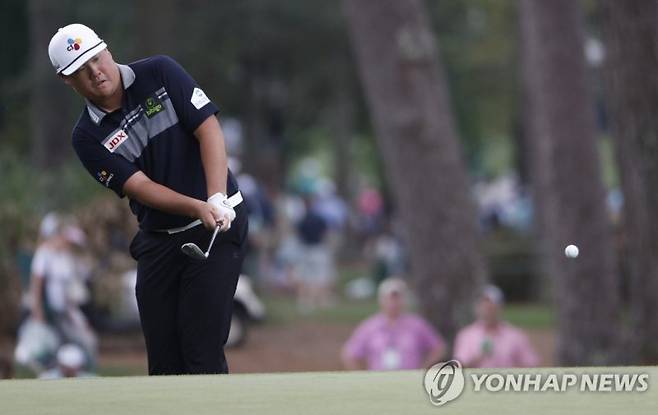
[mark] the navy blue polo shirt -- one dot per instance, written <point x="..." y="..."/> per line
<point x="152" y="132"/>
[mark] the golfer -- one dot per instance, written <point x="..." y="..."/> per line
<point x="149" y="132"/>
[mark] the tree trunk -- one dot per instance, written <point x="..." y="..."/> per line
<point x="408" y="100"/>
<point x="51" y="128"/>
<point x="632" y="59"/>
<point x="567" y="181"/>
<point x="264" y="143"/>
<point x="342" y="129"/>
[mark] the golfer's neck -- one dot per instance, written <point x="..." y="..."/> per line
<point x="111" y="103"/>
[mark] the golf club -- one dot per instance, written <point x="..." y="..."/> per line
<point x="193" y="251"/>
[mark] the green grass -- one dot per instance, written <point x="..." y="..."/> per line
<point x="530" y="316"/>
<point x="120" y="370"/>
<point x="284" y="311"/>
<point x="306" y="393"/>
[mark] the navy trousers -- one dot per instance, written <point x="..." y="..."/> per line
<point x="185" y="305"/>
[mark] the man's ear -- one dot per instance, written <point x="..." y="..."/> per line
<point x="109" y="52"/>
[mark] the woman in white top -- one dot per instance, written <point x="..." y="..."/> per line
<point x="54" y="276"/>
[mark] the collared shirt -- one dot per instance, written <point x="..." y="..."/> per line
<point x="507" y="346"/>
<point x="152" y="132"/>
<point x="386" y="345"/>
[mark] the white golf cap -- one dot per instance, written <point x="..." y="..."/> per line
<point x="392" y="285"/>
<point x="72" y="46"/>
<point x="493" y="294"/>
<point x="49" y="225"/>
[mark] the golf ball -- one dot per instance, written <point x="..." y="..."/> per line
<point x="571" y="251"/>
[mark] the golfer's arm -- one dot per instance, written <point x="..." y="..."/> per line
<point x="149" y="193"/>
<point x="213" y="155"/>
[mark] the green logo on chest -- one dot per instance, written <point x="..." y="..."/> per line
<point x="153" y="106"/>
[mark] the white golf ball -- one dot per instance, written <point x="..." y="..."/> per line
<point x="571" y="251"/>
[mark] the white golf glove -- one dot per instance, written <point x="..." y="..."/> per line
<point x="226" y="212"/>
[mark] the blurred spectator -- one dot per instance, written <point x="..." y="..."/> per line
<point x="393" y="339"/>
<point x="370" y="210"/>
<point x="330" y="205"/>
<point x="261" y="222"/>
<point x="36" y="345"/>
<point x="387" y="253"/>
<point x="490" y="341"/>
<point x="70" y="363"/>
<point x="56" y="287"/>
<point x="315" y="268"/>
<point x="258" y="204"/>
<point x="279" y="272"/>
<point x="503" y="202"/>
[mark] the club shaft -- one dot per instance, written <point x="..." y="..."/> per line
<point x="212" y="240"/>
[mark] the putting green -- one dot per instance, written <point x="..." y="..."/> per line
<point x="310" y="393"/>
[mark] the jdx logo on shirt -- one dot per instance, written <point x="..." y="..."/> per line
<point x="116" y="140"/>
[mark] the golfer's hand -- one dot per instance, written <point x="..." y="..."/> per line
<point x="226" y="212"/>
<point x="208" y="214"/>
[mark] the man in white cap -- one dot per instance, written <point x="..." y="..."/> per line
<point x="393" y="339"/>
<point x="56" y="278"/>
<point x="149" y="132"/>
<point x="490" y="341"/>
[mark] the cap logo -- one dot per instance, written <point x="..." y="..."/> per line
<point x="73" y="44"/>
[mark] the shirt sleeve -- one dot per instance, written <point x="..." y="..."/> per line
<point x="464" y="350"/>
<point x="191" y="103"/>
<point x="39" y="263"/>
<point x="109" y="169"/>
<point x="429" y="338"/>
<point x="357" y="345"/>
<point x="525" y="355"/>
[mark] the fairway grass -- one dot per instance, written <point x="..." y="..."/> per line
<point x="285" y="311"/>
<point x="307" y="393"/>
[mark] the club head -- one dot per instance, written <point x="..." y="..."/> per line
<point x="193" y="251"/>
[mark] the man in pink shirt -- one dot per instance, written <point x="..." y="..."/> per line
<point x="491" y="342"/>
<point x="393" y="339"/>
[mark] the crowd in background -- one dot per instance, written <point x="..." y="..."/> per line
<point x="395" y="339"/>
<point x="297" y="239"/>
